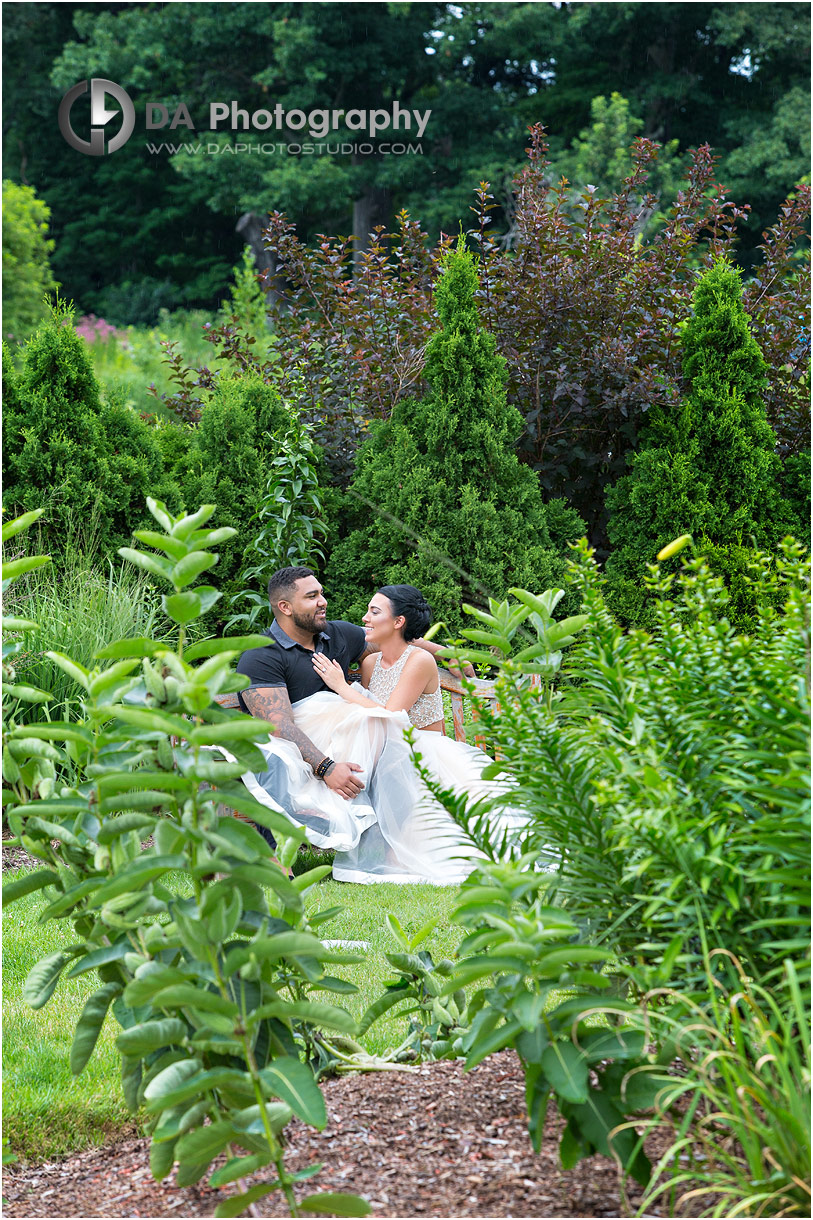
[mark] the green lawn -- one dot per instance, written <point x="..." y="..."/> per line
<point x="47" y="1111"/>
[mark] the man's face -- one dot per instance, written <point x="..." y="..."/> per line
<point x="308" y="605"/>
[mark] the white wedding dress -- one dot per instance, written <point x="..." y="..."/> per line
<point x="394" y="830"/>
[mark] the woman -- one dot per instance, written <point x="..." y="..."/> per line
<point x="404" y="679"/>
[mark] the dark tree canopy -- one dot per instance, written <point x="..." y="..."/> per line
<point x="161" y="227"/>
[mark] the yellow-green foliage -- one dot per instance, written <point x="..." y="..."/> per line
<point x="27" y="275"/>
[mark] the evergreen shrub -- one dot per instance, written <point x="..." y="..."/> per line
<point x="229" y="460"/>
<point x="708" y="467"/>
<point x="68" y="448"/>
<point x="440" y="499"/>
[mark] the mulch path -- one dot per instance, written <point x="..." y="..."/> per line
<point x="429" y="1142"/>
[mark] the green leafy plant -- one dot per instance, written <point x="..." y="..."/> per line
<point x="28" y="764"/>
<point x="665" y="778"/>
<point x="196" y="935"/>
<point x="290" y="519"/>
<point x="437" y="1020"/>
<point x="744" y="1139"/>
<point x="543" y="993"/>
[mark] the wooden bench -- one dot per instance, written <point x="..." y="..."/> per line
<point x="453" y="686"/>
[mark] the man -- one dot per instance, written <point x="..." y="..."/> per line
<point x="283" y="673"/>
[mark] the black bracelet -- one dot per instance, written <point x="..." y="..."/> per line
<point x="323" y="768"/>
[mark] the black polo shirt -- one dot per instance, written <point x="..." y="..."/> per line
<point x="287" y="663"/>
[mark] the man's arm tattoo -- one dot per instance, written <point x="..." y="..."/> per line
<point x="273" y="704"/>
<point x="369" y="651"/>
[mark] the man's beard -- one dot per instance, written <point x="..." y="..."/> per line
<point x="308" y="622"/>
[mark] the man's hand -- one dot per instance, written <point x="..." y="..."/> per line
<point x="340" y="778"/>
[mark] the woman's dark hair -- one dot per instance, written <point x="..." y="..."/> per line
<point x="409" y="601"/>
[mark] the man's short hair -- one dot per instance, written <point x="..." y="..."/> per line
<point x="283" y="583"/>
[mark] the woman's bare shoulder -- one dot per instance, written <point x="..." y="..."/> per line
<point x="422" y="662"/>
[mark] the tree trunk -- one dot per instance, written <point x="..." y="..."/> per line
<point x="250" y="228"/>
<point x="372" y="209"/>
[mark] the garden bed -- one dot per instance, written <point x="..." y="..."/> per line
<point x="428" y="1142"/>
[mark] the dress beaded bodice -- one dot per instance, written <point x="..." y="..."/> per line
<point x="427" y="708"/>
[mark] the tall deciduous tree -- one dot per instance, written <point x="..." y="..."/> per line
<point x="441" y="499"/>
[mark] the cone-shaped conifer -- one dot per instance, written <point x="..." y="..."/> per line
<point x="710" y="469"/>
<point x="440" y="499"/>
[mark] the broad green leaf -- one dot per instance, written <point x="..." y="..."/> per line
<point x="184" y="526"/>
<point x="231" y="730"/>
<point x="158" y="510"/>
<point x="28" y="883"/>
<point x="470" y="972"/>
<point x="252" y="1121"/>
<point x="90" y="1024"/>
<point x="293" y="1083"/>
<point x="182" y="607"/>
<point x="189" y="1173"/>
<point x="154" y="720"/>
<point x="162" y="542"/>
<point x="536" y="1103"/>
<point x="59" y="730"/>
<point x="100" y="957"/>
<point x="271" y="948"/>
<point x="236" y="797"/>
<point x="326" y="1016"/>
<point x="140" y="647"/>
<point x="566" y="1070"/>
<point x="148" y="563"/>
<point x="73" y="669"/>
<point x="235" y="1205"/>
<point x="195" y="1084"/>
<point x="111" y="677"/>
<point x="18" y="567"/>
<point x="123" y="782"/>
<point x="113" y="828"/>
<point x="205" y="1143"/>
<point x="211" y="648"/>
<point x="29" y="694"/>
<point x="185" y="995"/>
<point x="162" y="1158"/>
<point x="501" y="1037"/>
<point x="150" y="1036"/>
<point x="190" y="567"/>
<point x="613" y="1044"/>
<point x="151" y="978"/>
<point x="137" y="874"/>
<point x="43" y="978"/>
<point x="212" y="537"/>
<point x="383" y="1004"/>
<point x="52" y="830"/>
<point x="171" y="1078"/>
<point x="239" y="1167"/>
<point x="336" y="1205"/>
<point x="16" y="526"/>
<point x="571" y="1150"/>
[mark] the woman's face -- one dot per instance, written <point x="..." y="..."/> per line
<point x="380" y="622"/>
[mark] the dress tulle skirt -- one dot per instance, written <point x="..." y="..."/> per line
<point x="394" y="830"/>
